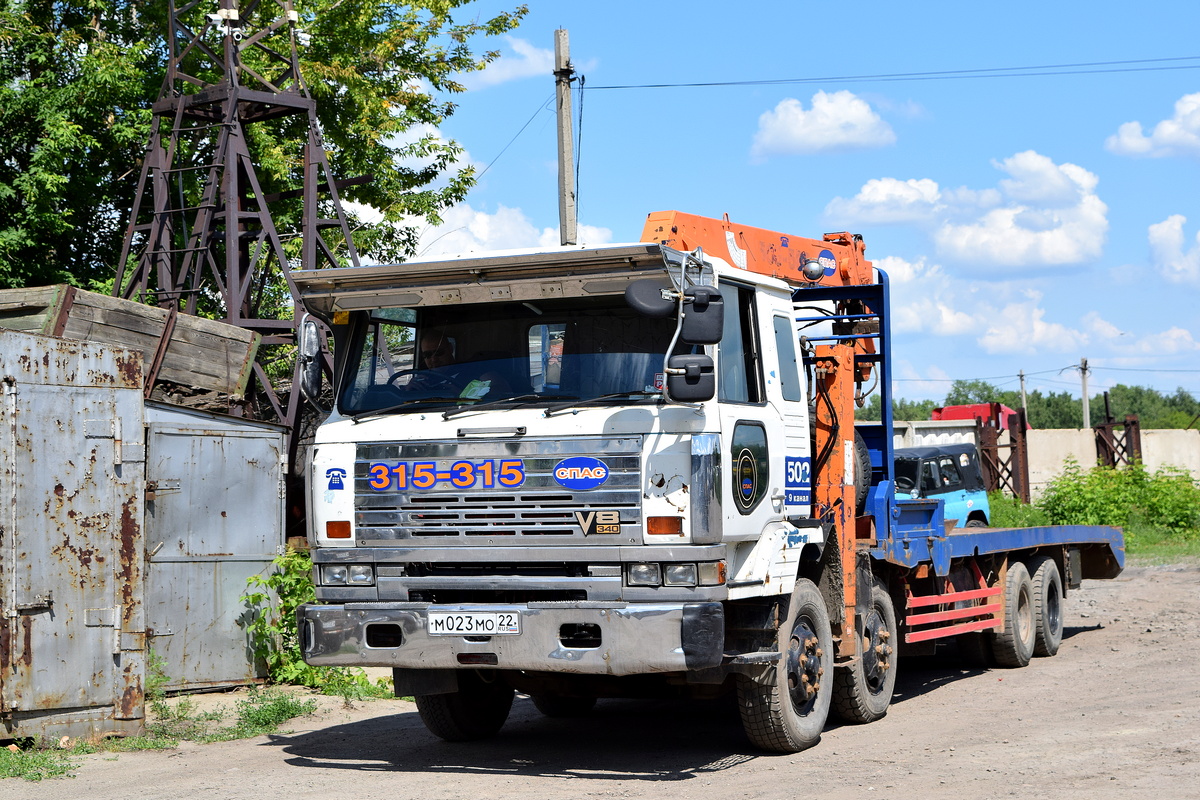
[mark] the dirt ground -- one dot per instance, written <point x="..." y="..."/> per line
<point x="1115" y="714"/>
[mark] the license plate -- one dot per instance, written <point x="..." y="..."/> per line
<point x="474" y="623"/>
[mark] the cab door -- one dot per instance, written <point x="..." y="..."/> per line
<point x="753" y="432"/>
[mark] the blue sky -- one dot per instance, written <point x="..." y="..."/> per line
<point x="1026" y="222"/>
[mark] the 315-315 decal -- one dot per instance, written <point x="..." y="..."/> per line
<point x="402" y="475"/>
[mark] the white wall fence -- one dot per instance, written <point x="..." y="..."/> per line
<point x="1049" y="449"/>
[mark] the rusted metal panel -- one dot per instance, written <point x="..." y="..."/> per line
<point x="215" y="520"/>
<point x="71" y="547"/>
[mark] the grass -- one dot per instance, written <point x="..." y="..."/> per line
<point x="34" y="761"/>
<point x="261" y="712"/>
<point x="1149" y="544"/>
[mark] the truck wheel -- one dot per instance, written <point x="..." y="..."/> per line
<point x="558" y="706"/>
<point x="1013" y="644"/>
<point x="1047" y="606"/>
<point x="789" y="715"/>
<point x="862" y="472"/>
<point x="476" y="711"/>
<point x="863" y="690"/>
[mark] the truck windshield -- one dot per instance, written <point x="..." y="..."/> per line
<point x="413" y="359"/>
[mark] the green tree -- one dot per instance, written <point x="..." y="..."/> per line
<point x="77" y="78"/>
<point x="1152" y="408"/>
<point x="964" y="393"/>
<point x="902" y="410"/>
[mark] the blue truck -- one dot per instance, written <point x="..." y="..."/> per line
<point x="634" y="469"/>
<point x="949" y="472"/>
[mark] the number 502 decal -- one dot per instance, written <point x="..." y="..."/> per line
<point x="401" y="475"/>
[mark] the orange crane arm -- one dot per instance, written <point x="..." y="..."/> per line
<point x="778" y="255"/>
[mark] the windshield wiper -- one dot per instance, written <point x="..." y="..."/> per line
<point x="520" y="399"/>
<point x="389" y="409"/>
<point x="588" y="401"/>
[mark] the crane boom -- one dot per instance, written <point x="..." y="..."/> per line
<point x="766" y="252"/>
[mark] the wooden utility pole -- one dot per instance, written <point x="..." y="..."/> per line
<point x="1024" y="399"/>
<point x="564" y="73"/>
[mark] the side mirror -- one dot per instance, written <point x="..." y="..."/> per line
<point x="695" y="381"/>
<point x="703" y="315"/>
<point x="646" y="296"/>
<point x="309" y="346"/>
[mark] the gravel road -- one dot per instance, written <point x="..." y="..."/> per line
<point x="1115" y="714"/>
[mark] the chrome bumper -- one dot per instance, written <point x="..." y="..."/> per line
<point x="634" y="638"/>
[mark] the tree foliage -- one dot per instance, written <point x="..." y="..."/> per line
<point x="1057" y="409"/>
<point x="78" y="77"/>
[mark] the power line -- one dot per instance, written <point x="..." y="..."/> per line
<point x="541" y="107"/>
<point x="1083" y="68"/>
<point x="1140" y="369"/>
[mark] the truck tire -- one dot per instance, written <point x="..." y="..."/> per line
<point x="1047" y="606"/>
<point x="557" y="706"/>
<point x="862" y="472"/>
<point x="863" y="690"/>
<point x="1013" y="643"/>
<point x="476" y="711"/>
<point x="789" y="715"/>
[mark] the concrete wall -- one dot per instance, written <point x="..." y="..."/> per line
<point x="924" y="433"/>
<point x="1049" y="449"/>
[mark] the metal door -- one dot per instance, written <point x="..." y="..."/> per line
<point x="71" y="457"/>
<point x="214" y="520"/>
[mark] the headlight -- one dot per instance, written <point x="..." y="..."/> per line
<point x="335" y="575"/>
<point x="680" y="575"/>
<point x="362" y="575"/>
<point x="644" y="574"/>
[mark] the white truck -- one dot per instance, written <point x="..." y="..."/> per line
<point x="613" y="471"/>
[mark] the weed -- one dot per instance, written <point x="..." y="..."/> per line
<point x="1168" y="499"/>
<point x="1159" y="512"/>
<point x="1009" y="512"/>
<point x="34" y="762"/>
<point x="273" y="602"/>
<point x="263" y="712"/>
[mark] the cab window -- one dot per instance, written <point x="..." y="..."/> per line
<point x="739" y="378"/>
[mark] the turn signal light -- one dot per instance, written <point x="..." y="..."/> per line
<point x="338" y="529"/>
<point x="665" y="526"/>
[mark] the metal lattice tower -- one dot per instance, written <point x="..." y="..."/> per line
<point x="202" y="226"/>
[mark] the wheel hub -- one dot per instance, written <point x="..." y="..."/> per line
<point x="876" y="651"/>
<point x="805" y="667"/>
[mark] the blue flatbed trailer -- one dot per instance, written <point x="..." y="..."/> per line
<point x="960" y="573"/>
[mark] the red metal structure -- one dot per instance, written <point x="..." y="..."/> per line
<point x="215" y="237"/>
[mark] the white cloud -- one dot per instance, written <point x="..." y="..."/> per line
<point x="520" y="60"/>
<point x="1179" y="135"/>
<point x="1021" y="327"/>
<point x="1166" y="246"/>
<point x="1128" y="348"/>
<point x="467" y="230"/>
<point x="1053" y="217"/>
<point x="1041" y="214"/>
<point x="883" y="201"/>
<point x="837" y="121"/>
<point x="925" y="299"/>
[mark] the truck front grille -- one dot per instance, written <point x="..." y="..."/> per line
<point x="541" y="508"/>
